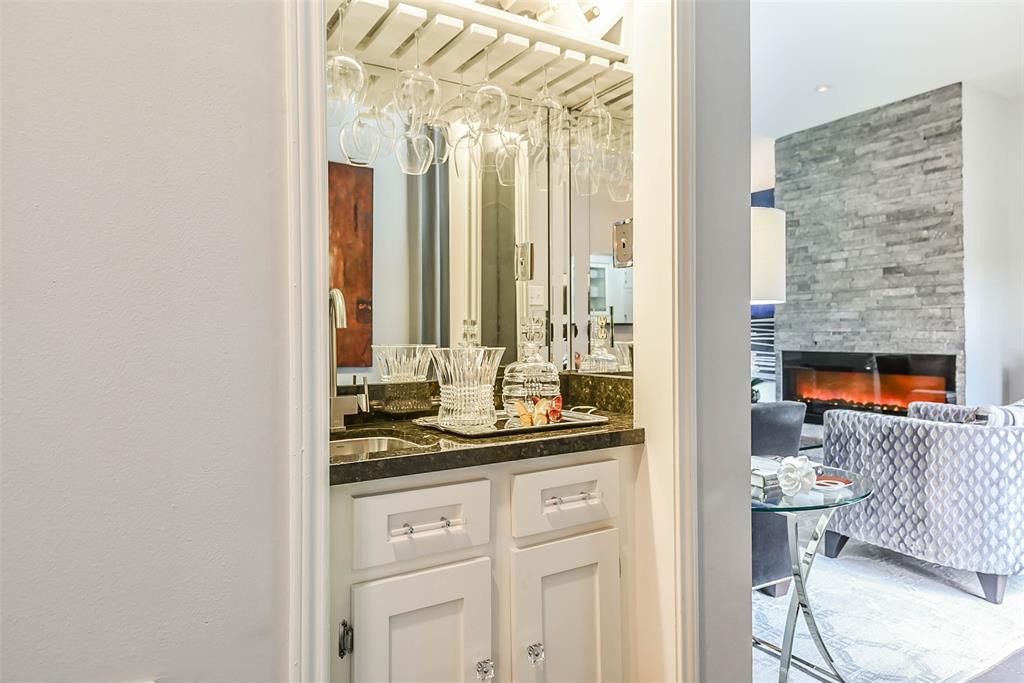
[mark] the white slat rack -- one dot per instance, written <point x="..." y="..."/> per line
<point x="454" y="35"/>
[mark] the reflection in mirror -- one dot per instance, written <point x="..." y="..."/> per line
<point x="388" y="238"/>
<point x="602" y="297"/>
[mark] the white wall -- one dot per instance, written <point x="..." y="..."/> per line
<point x="762" y="163"/>
<point x="145" y="342"/>
<point x="993" y="206"/>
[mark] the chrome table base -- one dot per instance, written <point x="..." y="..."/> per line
<point x="799" y="603"/>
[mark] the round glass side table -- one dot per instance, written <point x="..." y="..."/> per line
<point x="825" y="501"/>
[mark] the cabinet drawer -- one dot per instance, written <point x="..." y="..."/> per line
<point x="564" y="497"/>
<point x="402" y="525"/>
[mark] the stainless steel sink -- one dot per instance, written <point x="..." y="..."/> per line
<point x="364" y="445"/>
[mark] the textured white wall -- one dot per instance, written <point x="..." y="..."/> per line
<point x="145" y="356"/>
<point x="993" y="200"/>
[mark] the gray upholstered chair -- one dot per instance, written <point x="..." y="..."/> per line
<point x="945" y="491"/>
<point x="774" y="430"/>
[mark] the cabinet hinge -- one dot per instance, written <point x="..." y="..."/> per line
<point x="346" y="639"/>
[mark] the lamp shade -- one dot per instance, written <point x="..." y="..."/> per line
<point x="767" y="256"/>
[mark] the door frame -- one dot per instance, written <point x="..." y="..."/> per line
<point x="309" y="424"/>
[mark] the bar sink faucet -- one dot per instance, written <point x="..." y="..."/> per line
<point x="340" y="406"/>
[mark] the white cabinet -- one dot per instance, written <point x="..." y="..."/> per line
<point x="531" y="556"/>
<point x="566" y="611"/>
<point x="424" y="627"/>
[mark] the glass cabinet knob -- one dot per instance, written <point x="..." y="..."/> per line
<point x="535" y="653"/>
<point x="485" y="669"/>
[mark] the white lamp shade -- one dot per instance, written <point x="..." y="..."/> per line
<point x="767" y="255"/>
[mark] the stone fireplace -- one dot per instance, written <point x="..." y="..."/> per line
<point x="874" y="248"/>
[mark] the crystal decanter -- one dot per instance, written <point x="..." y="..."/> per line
<point x="530" y="390"/>
<point x="601" y="358"/>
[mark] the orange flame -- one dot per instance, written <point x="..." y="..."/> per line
<point x="859" y="388"/>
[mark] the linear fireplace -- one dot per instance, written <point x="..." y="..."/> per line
<point x="881" y="383"/>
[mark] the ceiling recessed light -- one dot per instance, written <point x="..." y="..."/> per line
<point x="824" y="87"/>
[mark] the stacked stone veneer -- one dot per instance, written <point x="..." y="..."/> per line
<point x="874" y="230"/>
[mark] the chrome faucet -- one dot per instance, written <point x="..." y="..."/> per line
<point x="336" y="309"/>
<point x="340" y="406"/>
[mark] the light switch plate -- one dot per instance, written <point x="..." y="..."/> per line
<point x="524" y="262"/>
<point x="622" y="243"/>
<point x="536" y="295"/>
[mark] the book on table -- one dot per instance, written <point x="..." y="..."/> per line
<point x="763" y="494"/>
<point x="764" y="471"/>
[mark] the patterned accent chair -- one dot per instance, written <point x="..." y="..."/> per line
<point x="945" y="491"/>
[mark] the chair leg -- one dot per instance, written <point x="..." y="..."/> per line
<point x="994" y="586"/>
<point x="834" y="543"/>
<point x="777" y="590"/>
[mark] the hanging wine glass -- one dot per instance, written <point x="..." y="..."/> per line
<point x="386" y="121"/>
<point x="506" y="158"/>
<point x="486" y="162"/>
<point x="518" y="118"/>
<point x="585" y="176"/>
<point x="549" y="165"/>
<point x="360" y="141"/>
<point x="414" y="152"/>
<point x="463" y="131"/>
<point x="417" y="94"/>
<point x="488" y="100"/>
<point x="440" y="133"/>
<point x="458" y="109"/>
<point x="346" y="75"/>
<point x="594" y="123"/>
<point x="466" y="153"/>
<point x="620" y="185"/>
<point x="549" y="116"/>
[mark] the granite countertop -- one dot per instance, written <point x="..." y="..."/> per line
<point x="437" y="450"/>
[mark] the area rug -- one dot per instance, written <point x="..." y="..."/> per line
<point x="888" y="617"/>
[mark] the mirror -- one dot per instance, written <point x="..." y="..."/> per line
<point x="498" y="232"/>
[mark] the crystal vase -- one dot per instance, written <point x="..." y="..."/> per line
<point x="466" y="379"/>
<point x="402" y="362"/>
<point x="403" y="372"/>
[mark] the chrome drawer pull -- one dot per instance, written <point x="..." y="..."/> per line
<point x="443" y="523"/>
<point x="582" y="496"/>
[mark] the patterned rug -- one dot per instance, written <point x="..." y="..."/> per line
<point x="888" y="617"/>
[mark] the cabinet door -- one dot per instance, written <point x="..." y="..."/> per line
<point x="423" y="627"/>
<point x="565" y="598"/>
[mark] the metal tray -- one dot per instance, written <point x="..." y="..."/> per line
<point x="569" y="419"/>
